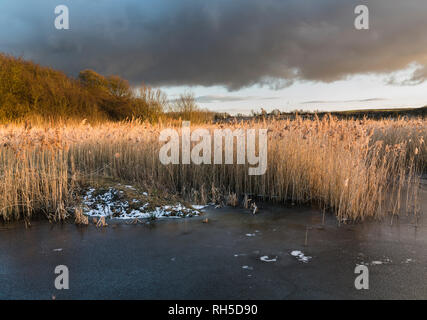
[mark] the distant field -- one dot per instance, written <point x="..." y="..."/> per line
<point x="376" y="114"/>
<point x="384" y="113"/>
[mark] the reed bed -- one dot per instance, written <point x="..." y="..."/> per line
<point x="353" y="168"/>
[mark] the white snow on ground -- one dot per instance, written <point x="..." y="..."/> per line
<point x="376" y="262"/>
<point x="107" y="204"/>
<point x="300" y="256"/>
<point x="268" y="259"/>
<point x="240" y="254"/>
<point x="250" y="234"/>
<point x="198" y="206"/>
<point x="247" y="268"/>
<point x="386" y="261"/>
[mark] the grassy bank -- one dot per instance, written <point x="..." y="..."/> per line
<point x="30" y="92"/>
<point x="352" y="168"/>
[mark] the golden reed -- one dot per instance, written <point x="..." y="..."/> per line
<point x="353" y="168"/>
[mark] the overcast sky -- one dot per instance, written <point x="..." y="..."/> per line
<point x="236" y="55"/>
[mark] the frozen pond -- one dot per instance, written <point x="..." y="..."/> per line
<point x="281" y="253"/>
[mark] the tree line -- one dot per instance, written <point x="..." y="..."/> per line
<point x="28" y="90"/>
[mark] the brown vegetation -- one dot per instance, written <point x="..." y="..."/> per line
<point x="30" y="92"/>
<point x="353" y="168"/>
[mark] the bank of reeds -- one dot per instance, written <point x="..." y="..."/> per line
<point x="355" y="169"/>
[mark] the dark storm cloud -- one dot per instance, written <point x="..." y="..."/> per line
<point x="232" y="43"/>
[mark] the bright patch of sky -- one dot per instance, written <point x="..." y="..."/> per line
<point x="358" y="92"/>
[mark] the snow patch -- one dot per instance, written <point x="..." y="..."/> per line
<point x="240" y="254"/>
<point x="199" y="206"/>
<point x="301" y="257"/>
<point x="377" y="262"/>
<point x="111" y="204"/>
<point x="268" y="259"/>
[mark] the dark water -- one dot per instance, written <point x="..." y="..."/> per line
<point x="189" y="259"/>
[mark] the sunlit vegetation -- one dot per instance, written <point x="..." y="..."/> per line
<point x="32" y="92"/>
<point x="355" y="169"/>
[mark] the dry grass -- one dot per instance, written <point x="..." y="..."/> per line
<point x="356" y="169"/>
<point x="80" y="218"/>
